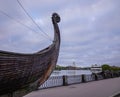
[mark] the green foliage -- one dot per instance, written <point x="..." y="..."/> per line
<point x="106" y="67"/>
<point x="114" y="68"/>
<point x="59" y="67"/>
<point x="110" y="68"/>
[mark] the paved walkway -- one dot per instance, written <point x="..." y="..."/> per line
<point x="102" y="88"/>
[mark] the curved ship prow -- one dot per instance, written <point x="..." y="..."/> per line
<point x="28" y="71"/>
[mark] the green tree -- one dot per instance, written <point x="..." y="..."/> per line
<point x="106" y="67"/>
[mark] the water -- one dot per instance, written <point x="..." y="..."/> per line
<point x="70" y="72"/>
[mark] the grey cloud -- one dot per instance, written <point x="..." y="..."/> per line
<point x="89" y="29"/>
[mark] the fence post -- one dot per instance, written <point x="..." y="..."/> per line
<point x="96" y="77"/>
<point x="104" y="75"/>
<point x="83" y="78"/>
<point x="119" y="73"/>
<point x="110" y="75"/>
<point x="65" y="83"/>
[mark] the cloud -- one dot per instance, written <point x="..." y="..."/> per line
<point x="89" y="29"/>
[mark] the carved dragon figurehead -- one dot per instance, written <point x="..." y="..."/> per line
<point x="55" y="18"/>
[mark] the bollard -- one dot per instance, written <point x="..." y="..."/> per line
<point x="65" y="83"/>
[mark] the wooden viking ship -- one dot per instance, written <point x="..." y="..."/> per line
<point x="18" y="71"/>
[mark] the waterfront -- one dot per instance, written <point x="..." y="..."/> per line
<point x="70" y="72"/>
<point x="101" y="88"/>
<point x="71" y="78"/>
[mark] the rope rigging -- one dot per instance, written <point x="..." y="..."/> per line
<point x="17" y="21"/>
<point x="33" y="20"/>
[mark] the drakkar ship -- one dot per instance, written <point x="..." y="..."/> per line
<point x="18" y="71"/>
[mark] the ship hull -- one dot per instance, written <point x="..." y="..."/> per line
<point x="19" y="71"/>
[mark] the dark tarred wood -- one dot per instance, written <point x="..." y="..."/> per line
<point x="18" y="71"/>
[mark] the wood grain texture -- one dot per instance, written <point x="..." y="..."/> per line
<point x="18" y="71"/>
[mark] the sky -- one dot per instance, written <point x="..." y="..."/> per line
<point x="90" y="29"/>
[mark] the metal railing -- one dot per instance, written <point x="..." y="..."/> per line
<point x="99" y="77"/>
<point x="55" y="81"/>
<point x="89" y="78"/>
<point x="74" y="79"/>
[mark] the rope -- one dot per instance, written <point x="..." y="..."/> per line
<point x="33" y="20"/>
<point x="4" y="13"/>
